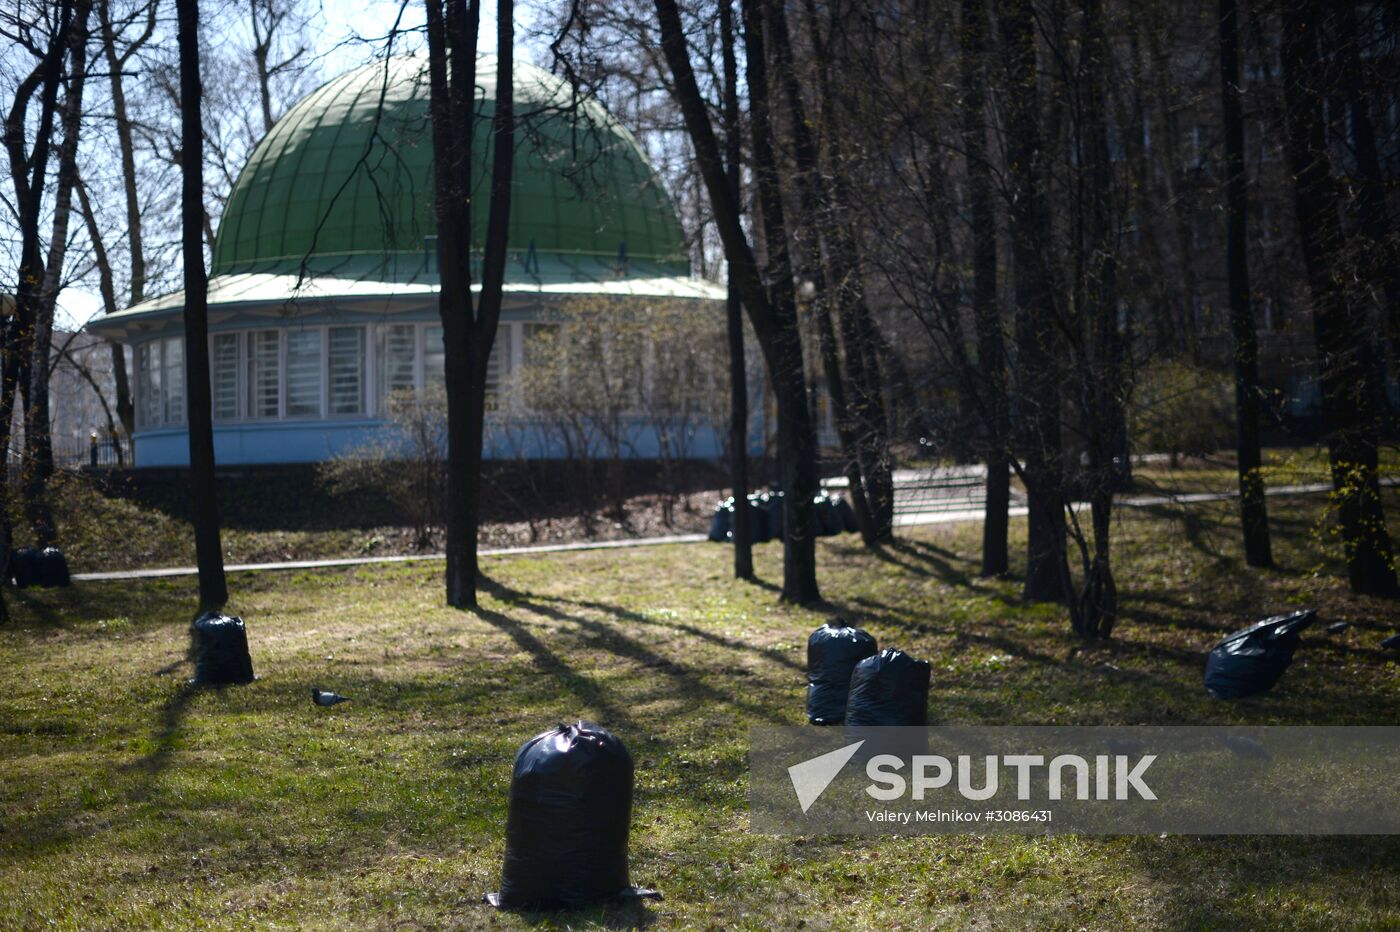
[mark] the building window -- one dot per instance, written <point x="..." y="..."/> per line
<point x="434" y="358"/>
<point x="148" y="383"/>
<point x="347" y="370"/>
<point x="224" y="367"/>
<point x="497" y="368"/>
<point x="303" y="373"/>
<point x="173" y="380"/>
<point x="497" y="365"/>
<point x="160" y="382"/>
<point x="398" y="357"/>
<point x="264" y="373"/>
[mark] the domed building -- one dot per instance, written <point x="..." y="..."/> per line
<point x="323" y="283"/>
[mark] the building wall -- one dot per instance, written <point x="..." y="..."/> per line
<point x="401" y="349"/>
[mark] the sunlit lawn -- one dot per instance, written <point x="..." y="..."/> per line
<point x="128" y="801"/>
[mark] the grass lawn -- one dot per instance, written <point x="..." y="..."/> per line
<point x="128" y="801"/>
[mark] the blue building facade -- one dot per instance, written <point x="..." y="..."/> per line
<point x="323" y="289"/>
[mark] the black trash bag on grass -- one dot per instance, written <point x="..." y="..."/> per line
<point x="826" y="516"/>
<point x="760" y="523"/>
<point x="570" y="811"/>
<point x="23" y="567"/>
<point x="722" y="524"/>
<point x="220" y="648"/>
<point x="772" y="503"/>
<point x="847" y="514"/>
<point x="890" y="688"/>
<point x="51" y="568"/>
<point x="833" y="650"/>
<point x="1252" y="660"/>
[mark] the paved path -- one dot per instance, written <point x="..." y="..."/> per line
<point x="973" y="512"/>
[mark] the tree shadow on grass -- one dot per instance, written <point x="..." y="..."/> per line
<point x="601" y="635"/>
<point x="1255" y="882"/>
<point x="622" y="614"/>
<point x="583" y="688"/>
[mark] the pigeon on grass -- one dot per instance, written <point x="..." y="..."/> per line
<point x="323" y="698"/>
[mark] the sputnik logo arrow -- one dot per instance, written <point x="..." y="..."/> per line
<point x="811" y="777"/>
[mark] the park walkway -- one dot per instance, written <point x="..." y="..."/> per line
<point x="920" y="499"/>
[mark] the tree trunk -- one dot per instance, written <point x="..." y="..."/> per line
<point x="1100" y="369"/>
<point x="991" y="349"/>
<point x="738" y="370"/>
<point x="1380" y="260"/>
<point x="126" y="408"/>
<point x="452" y="37"/>
<point x="810" y="230"/>
<point x="38" y="441"/>
<point x="844" y="280"/>
<point x="493" y="265"/>
<point x="468" y="334"/>
<point x="107" y="288"/>
<point x="1037" y="383"/>
<point x="209" y="554"/>
<point x="1253" y="514"/>
<point x="796" y="433"/>
<point x="1346" y="357"/>
<point x="774" y="321"/>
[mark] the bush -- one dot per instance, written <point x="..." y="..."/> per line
<point x="1182" y="410"/>
<point x="406" y="462"/>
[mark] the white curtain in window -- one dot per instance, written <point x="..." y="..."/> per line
<point x="148" y="383"/>
<point x="224" y="367"/>
<point x="174" y="380"/>
<point x="263" y="372"/>
<point x="347" y="370"/>
<point x="433" y="358"/>
<point x="398" y="351"/>
<point x="303" y="373"/>
<point x="497" y="367"/>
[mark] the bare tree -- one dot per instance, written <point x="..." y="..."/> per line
<point x="112" y="29"/>
<point x="772" y="310"/>
<point x="467" y="332"/>
<point x="209" y="554"/>
<point x="1346" y="355"/>
<point x="38" y="444"/>
<point x="277" y="50"/>
<point x="738" y="370"/>
<point x="1253" y="510"/>
<point x="1037" y="337"/>
<point x="991" y="348"/>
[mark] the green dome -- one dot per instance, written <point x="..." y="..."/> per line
<point x="343" y="186"/>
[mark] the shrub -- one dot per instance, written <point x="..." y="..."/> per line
<point x="1182" y="410"/>
<point x="406" y="462"/>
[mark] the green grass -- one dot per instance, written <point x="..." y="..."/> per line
<point x="1281" y="466"/>
<point x="127" y="800"/>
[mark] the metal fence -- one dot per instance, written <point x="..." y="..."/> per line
<point x="93" y="453"/>
<point x="946" y="489"/>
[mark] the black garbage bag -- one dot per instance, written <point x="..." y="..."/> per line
<point x="833" y="650"/>
<point x="570" y="811"/>
<point x="1252" y="660"/>
<point x="23" y="571"/>
<point x="847" y="514"/>
<point x="827" y="517"/>
<point x="889" y="688"/>
<point x="220" y="651"/>
<point x="773" y="511"/>
<point x="51" y="568"/>
<point x="760" y="527"/>
<point x="722" y="524"/>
